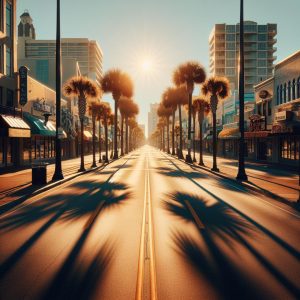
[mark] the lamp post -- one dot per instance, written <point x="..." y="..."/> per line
<point x="58" y="175"/>
<point x="241" y="171"/>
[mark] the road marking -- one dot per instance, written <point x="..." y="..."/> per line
<point x="146" y="252"/>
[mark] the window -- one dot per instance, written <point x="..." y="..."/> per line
<point x="230" y="28"/>
<point x="289" y="91"/>
<point x="230" y="46"/>
<point x="262" y="37"/>
<point x="1" y="14"/>
<point x="262" y="54"/>
<point x="298" y="88"/>
<point x="230" y="71"/>
<point x="10" y="98"/>
<point x="262" y="28"/>
<point x="42" y="71"/>
<point x="262" y="71"/>
<point x="230" y="37"/>
<point x="8" y="62"/>
<point x="284" y="93"/>
<point x="250" y="28"/>
<point x="9" y="18"/>
<point x="289" y="147"/>
<point x="262" y="46"/>
<point x="278" y="95"/>
<point x="230" y="63"/>
<point x="281" y="89"/>
<point x="269" y="108"/>
<point x="262" y="63"/>
<point x="294" y="89"/>
<point x="230" y="54"/>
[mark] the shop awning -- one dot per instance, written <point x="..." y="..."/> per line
<point x="39" y="128"/>
<point x="256" y="134"/>
<point x="230" y="133"/>
<point x="14" y="127"/>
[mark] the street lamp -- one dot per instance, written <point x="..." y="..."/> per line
<point x="241" y="171"/>
<point x="58" y="175"/>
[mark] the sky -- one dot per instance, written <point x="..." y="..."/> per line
<point x="148" y="39"/>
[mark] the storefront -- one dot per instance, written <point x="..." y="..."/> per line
<point x="14" y="133"/>
<point x="229" y="138"/>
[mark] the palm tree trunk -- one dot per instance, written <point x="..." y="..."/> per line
<point x="106" y="140"/>
<point x="194" y="146"/>
<point x="100" y="141"/>
<point x="82" y="169"/>
<point x="168" y="135"/>
<point x="201" y="163"/>
<point x="188" y="158"/>
<point x="126" y="136"/>
<point x="112" y="144"/>
<point x="94" y="142"/>
<point x="116" y="130"/>
<point x="173" y="133"/>
<point x="122" y="137"/>
<point x="180" y="154"/>
<point x="215" y="168"/>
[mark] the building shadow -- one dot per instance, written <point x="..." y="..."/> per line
<point x="64" y="208"/>
<point x="221" y="222"/>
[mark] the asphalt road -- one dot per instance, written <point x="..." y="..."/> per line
<point x="150" y="227"/>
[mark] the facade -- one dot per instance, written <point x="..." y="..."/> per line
<point x="79" y="55"/>
<point x="152" y="118"/>
<point x="259" y="52"/>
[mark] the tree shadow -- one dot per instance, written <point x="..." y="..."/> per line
<point x="177" y="173"/>
<point x="66" y="208"/>
<point x="221" y="222"/>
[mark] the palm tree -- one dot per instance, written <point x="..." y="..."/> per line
<point x="111" y="122"/>
<point x="119" y="84"/>
<point x="202" y="108"/>
<point x="165" y="113"/>
<point x="180" y="97"/>
<point x="94" y="108"/>
<point x="132" y="124"/>
<point x="85" y="89"/>
<point x="105" y="115"/>
<point x="217" y="88"/>
<point x="189" y="74"/>
<point x="169" y="101"/>
<point x="194" y="112"/>
<point x="100" y="117"/>
<point x="161" y="127"/>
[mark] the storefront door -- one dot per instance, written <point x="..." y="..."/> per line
<point x="262" y="150"/>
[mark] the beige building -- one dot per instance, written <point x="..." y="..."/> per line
<point x="79" y="55"/>
<point x="259" y="52"/>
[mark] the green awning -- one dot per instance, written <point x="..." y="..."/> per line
<point x="38" y="126"/>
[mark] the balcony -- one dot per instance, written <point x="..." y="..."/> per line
<point x="12" y="111"/>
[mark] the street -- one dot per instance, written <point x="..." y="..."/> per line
<point x="149" y="226"/>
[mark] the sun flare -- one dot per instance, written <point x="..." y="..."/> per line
<point x="147" y="65"/>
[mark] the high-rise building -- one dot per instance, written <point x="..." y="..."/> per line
<point x="152" y="118"/>
<point x="259" y="53"/>
<point x="79" y="55"/>
<point x="8" y="57"/>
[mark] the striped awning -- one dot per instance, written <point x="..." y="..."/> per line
<point x="230" y="133"/>
<point x="14" y="127"/>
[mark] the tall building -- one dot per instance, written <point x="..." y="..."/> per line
<point x="8" y="57"/>
<point x="79" y="55"/>
<point x="152" y="118"/>
<point x="259" y="53"/>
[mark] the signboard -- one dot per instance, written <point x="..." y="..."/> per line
<point x="283" y="116"/>
<point x="41" y="107"/>
<point x="23" y="72"/>
<point x="18" y="132"/>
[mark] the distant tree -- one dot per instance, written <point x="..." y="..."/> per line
<point x="165" y="113"/>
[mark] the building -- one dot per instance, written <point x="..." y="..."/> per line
<point x="79" y="55"/>
<point x="152" y="118"/>
<point x="259" y="52"/>
<point x="275" y="133"/>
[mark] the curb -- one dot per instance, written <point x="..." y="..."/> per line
<point x="10" y="205"/>
<point x="293" y="204"/>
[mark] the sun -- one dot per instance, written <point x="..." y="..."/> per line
<point x="147" y="65"/>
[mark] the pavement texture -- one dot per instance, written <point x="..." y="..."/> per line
<point x="149" y="226"/>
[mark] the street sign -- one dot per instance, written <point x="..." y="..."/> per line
<point x="23" y="74"/>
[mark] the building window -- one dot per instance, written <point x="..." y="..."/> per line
<point x="294" y="89"/>
<point x="230" y="54"/>
<point x="269" y="108"/>
<point x="42" y="71"/>
<point x="289" y="147"/>
<point x="262" y="37"/>
<point x="261" y="71"/>
<point x="298" y="88"/>
<point x="10" y="98"/>
<point x="1" y="15"/>
<point x="230" y="37"/>
<point x="281" y="94"/>
<point x="230" y="28"/>
<point x="262" y="63"/>
<point x="262" y="54"/>
<point x="9" y="18"/>
<point x="8" y="62"/>
<point x="230" y="71"/>
<point x="277" y="96"/>
<point x="262" y="46"/>
<point x="289" y="91"/>
<point x="284" y="93"/>
<point x="230" y="63"/>
<point x="230" y="46"/>
<point x="262" y="28"/>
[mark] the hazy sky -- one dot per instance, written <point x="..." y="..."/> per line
<point x="162" y="32"/>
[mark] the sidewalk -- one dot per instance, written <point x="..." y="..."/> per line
<point x="269" y="179"/>
<point x="17" y="184"/>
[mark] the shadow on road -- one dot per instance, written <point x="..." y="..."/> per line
<point x="220" y="222"/>
<point x="65" y="208"/>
